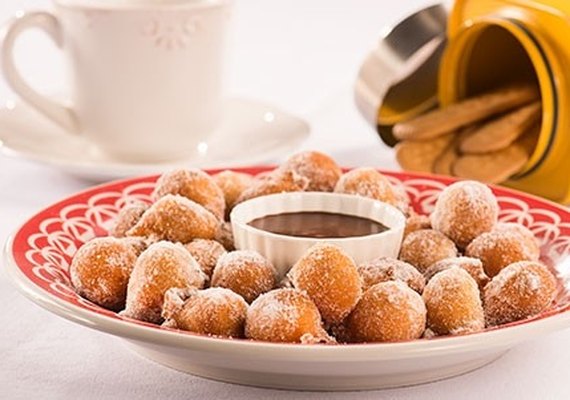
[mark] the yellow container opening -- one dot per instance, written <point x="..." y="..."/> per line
<point x="495" y="58"/>
<point x="496" y="54"/>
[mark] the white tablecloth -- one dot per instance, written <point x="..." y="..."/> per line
<point x="301" y="55"/>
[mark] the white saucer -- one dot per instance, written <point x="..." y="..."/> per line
<point x="252" y="132"/>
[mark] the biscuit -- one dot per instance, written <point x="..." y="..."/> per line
<point x="503" y="131"/>
<point x="444" y="162"/>
<point x="455" y="116"/>
<point x="495" y="167"/>
<point x="529" y="139"/>
<point x="465" y="134"/>
<point x="421" y="156"/>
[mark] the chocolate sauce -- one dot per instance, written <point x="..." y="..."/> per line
<point x="313" y="224"/>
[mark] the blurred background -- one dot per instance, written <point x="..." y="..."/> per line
<point x="296" y="54"/>
<point x="302" y="56"/>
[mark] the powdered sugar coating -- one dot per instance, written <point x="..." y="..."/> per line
<point x="137" y="243"/>
<point x="207" y="253"/>
<point x="225" y="236"/>
<point x="263" y="175"/>
<point x="162" y="266"/>
<point x="100" y="271"/>
<point x="367" y="182"/>
<point x="285" y="283"/>
<point x="519" y="291"/>
<point x="285" y="315"/>
<point x="453" y="303"/>
<point x="501" y="247"/>
<point x="425" y="247"/>
<point x="531" y="241"/>
<point x="276" y="182"/>
<point x="416" y="222"/>
<point x="521" y="229"/>
<point x="429" y="334"/>
<point x="385" y="269"/>
<point x="177" y="219"/>
<point x="246" y="272"/>
<point x="127" y="217"/>
<point x="174" y="299"/>
<point x="330" y="278"/>
<point x="387" y="312"/>
<point x="232" y="184"/>
<point x="321" y="171"/>
<point x="465" y="210"/>
<point x="195" y="185"/>
<point x="473" y="266"/>
<point x="215" y="312"/>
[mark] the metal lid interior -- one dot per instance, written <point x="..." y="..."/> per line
<point x="398" y="80"/>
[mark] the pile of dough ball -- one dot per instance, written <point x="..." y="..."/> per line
<point x="173" y="263"/>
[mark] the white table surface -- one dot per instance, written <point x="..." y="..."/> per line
<point x="301" y="55"/>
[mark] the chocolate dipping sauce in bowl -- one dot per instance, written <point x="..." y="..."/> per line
<point x="282" y="227"/>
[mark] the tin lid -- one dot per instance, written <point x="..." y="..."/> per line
<point x="398" y="79"/>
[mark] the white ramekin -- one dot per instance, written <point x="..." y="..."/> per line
<point x="283" y="251"/>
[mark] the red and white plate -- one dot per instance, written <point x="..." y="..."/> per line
<point x="38" y="256"/>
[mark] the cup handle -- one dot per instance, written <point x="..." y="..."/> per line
<point x="60" y="114"/>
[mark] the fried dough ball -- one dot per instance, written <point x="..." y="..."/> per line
<point x="207" y="253"/>
<point x="453" y="303"/>
<point x="162" y="266"/>
<point x="526" y="235"/>
<point x="387" y="312"/>
<point x="473" y="266"/>
<point x="465" y="210"/>
<point x="195" y="185"/>
<point x="285" y="283"/>
<point x="287" y="316"/>
<point x="385" y="269"/>
<point x="330" y="278"/>
<point x="416" y="222"/>
<point x="100" y="271"/>
<point x="367" y="182"/>
<point x="214" y="311"/>
<point x="263" y="175"/>
<point x="276" y="182"/>
<point x="138" y="243"/>
<point x="502" y="247"/>
<point x="232" y="184"/>
<point x="425" y="247"/>
<point x="321" y="171"/>
<point x="127" y="217"/>
<point x="225" y="236"/>
<point x="519" y="291"/>
<point x="177" y="219"/>
<point x="246" y="272"/>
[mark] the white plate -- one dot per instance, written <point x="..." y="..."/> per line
<point x="252" y="132"/>
<point x="37" y="260"/>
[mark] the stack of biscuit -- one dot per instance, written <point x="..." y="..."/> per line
<point x="489" y="137"/>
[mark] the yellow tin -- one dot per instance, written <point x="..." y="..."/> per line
<point x="491" y="43"/>
<point x="494" y="42"/>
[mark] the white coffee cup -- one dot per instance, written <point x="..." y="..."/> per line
<point x="146" y="76"/>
